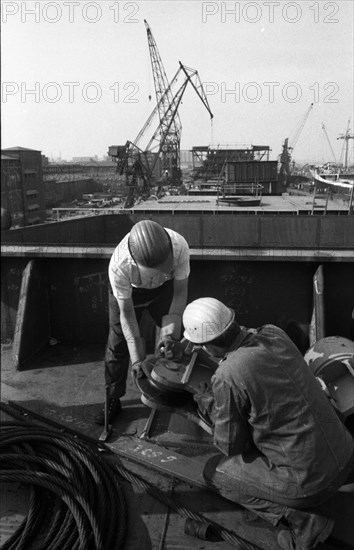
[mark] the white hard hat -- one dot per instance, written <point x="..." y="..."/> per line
<point x="205" y="319"/>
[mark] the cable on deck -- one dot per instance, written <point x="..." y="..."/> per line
<point x="223" y="533"/>
<point x="76" y="499"/>
<point x="64" y="524"/>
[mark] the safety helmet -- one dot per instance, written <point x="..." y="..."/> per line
<point x="205" y="319"/>
<point x="149" y="243"/>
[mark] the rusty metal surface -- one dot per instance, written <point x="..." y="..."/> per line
<point x="252" y="171"/>
<point x="280" y="229"/>
<point x="70" y="393"/>
<point x="260" y="292"/>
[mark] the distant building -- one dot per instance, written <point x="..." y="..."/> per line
<point x="22" y="190"/>
<point x="11" y="189"/>
<point x="68" y="181"/>
<point x="45" y="161"/>
<point x="186" y="157"/>
<point x="85" y="159"/>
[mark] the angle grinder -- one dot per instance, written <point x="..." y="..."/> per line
<point x="170" y="385"/>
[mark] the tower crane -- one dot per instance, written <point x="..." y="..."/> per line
<point x="288" y="148"/>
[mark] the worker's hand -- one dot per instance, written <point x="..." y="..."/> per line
<point x="204" y="389"/>
<point x="137" y="371"/>
<point x="170" y="349"/>
<point x="204" y="397"/>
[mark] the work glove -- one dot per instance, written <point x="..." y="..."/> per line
<point x="171" y="349"/>
<point x="137" y="371"/>
<point x="204" y="399"/>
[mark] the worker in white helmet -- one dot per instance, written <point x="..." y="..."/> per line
<point x="149" y="269"/>
<point x="286" y="450"/>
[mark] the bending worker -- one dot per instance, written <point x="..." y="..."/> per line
<point x="149" y="269"/>
<point x="286" y="450"/>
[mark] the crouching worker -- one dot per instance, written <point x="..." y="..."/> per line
<point x="149" y="269"/>
<point x="286" y="450"/>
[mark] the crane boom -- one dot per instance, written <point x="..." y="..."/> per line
<point x="156" y="109"/>
<point x="329" y="143"/>
<point x="170" y="123"/>
<point x="288" y="148"/>
<point x="197" y="85"/>
<point x="294" y="139"/>
<point x="162" y="87"/>
<point x="192" y="77"/>
<point x="138" y="165"/>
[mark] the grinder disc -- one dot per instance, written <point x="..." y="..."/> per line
<point x="185" y="375"/>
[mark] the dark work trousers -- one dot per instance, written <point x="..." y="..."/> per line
<point x="244" y="479"/>
<point x="157" y="301"/>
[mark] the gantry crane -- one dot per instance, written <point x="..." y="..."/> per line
<point x="288" y="148"/>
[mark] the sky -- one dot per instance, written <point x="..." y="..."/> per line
<point x="77" y="77"/>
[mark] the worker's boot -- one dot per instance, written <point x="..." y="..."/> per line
<point x="114" y="408"/>
<point x="306" y="530"/>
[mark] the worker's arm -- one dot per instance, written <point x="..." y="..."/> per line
<point x="229" y="415"/>
<point x="172" y="322"/>
<point x="131" y="331"/>
<point x="179" y="300"/>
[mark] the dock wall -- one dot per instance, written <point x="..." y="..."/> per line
<point x="201" y="230"/>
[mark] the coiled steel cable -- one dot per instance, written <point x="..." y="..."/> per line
<point x="62" y="532"/>
<point x="76" y="501"/>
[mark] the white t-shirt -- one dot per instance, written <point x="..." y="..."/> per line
<point x="124" y="273"/>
